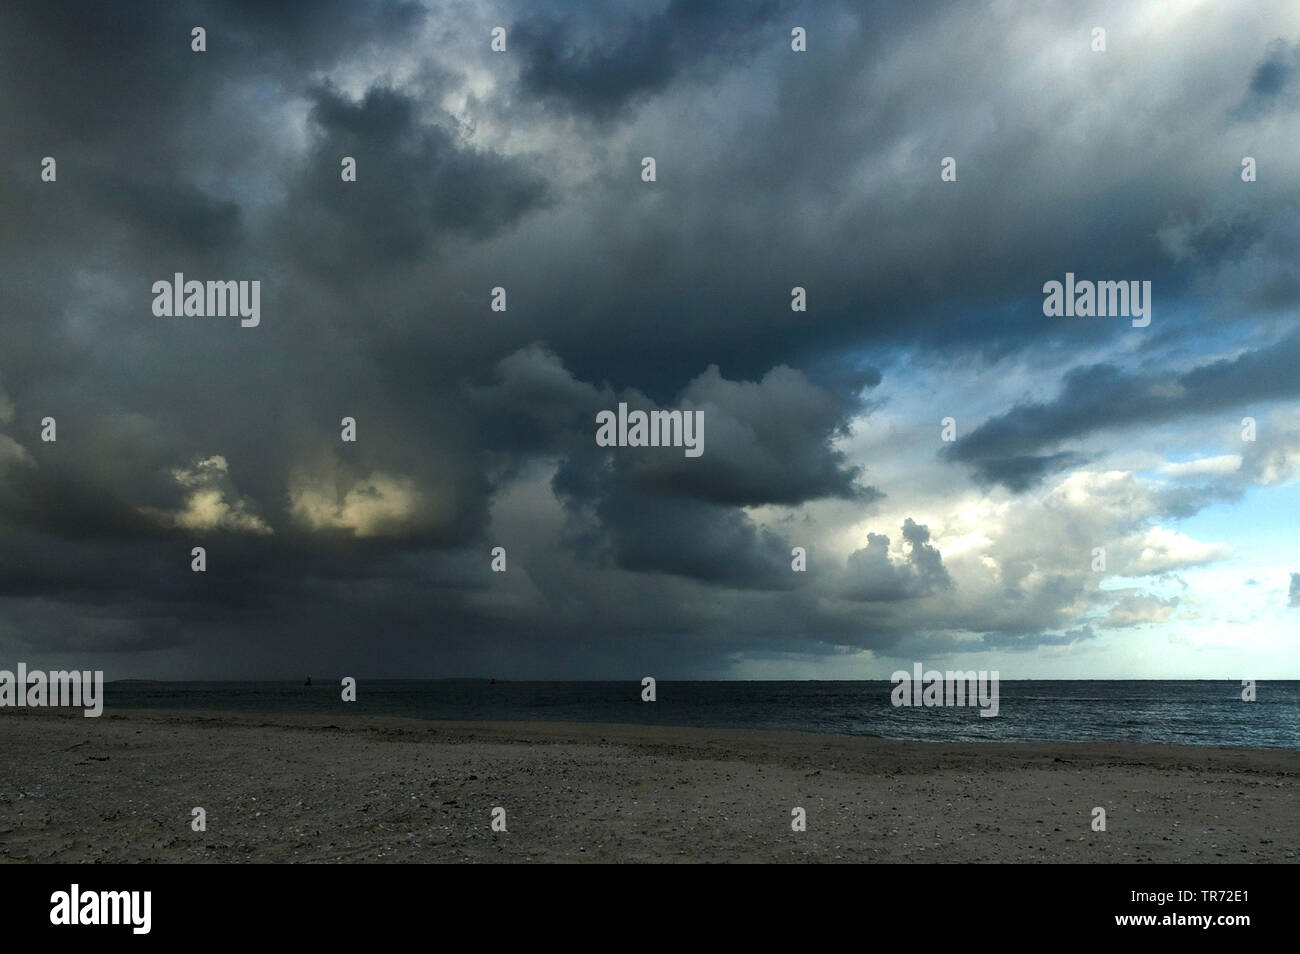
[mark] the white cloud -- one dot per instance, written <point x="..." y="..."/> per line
<point x="1137" y="608"/>
<point x="378" y="505"/>
<point x="212" y="502"/>
<point x="1218" y="466"/>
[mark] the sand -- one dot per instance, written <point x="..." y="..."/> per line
<point x="307" y="789"/>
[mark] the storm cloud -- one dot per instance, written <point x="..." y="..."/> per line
<point x="499" y="273"/>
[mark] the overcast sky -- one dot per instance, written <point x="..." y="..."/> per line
<point x="822" y="429"/>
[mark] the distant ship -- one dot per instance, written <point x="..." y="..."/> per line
<point x="308" y="682"/>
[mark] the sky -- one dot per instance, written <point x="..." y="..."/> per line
<point x="1113" y="500"/>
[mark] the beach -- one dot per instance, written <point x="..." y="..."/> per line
<point x="315" y="789"/>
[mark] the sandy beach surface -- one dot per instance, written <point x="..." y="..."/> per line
<point x="309" y="789"/>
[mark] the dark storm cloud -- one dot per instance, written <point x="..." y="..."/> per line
<point x="314" y="31"/>
<point x="872" y="577"/>
<point x="477" y="428"/>
<point x="1025" y="642"/>
<point x="415" y="185"/>
<point x="693" y="539"/>
<point x="654" y="510"/>
<point x="48" y="626"/>
<point x="1101" y="396"/>
<point x="852" y="208"/>
<point x="172" y="216"/>
<point x="1025" y="471"/>
<point x="765" y="442"/>
<point x="924" y="557"/>
<point x="600" y="76"/>
<point x="1274" y="82"/>
<point x="534" y="384"/>
<point x="88" y="70"/>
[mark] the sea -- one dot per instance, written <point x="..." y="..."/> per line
<point x="1196" y="712"/>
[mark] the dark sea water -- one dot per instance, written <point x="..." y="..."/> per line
<point x="1189" y="712"/>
